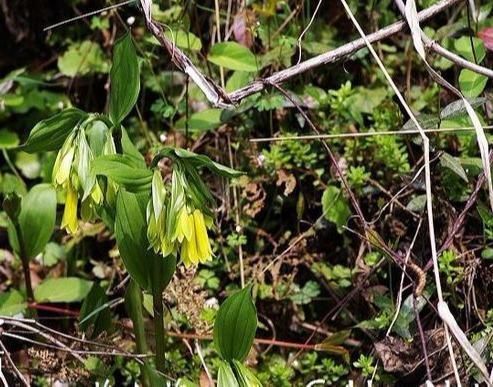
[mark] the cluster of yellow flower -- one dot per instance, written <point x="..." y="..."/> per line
<point x="175" y="224"/>
<point x="72" y="173"/>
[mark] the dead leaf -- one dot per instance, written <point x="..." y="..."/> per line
<point x="289" y="181"/>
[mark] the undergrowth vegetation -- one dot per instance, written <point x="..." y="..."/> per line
<point x="153" y="234"/>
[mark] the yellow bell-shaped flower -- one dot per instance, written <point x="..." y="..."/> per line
<point x="197" y="248"/>
<point x="69" y="219"/>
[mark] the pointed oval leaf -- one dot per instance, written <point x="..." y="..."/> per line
<point x="37" y="219"/>
<point x="235" y="326"/>
<point x="125" y="79"/>
<point x="49" y="134"/>
<point x="234" y="56"/>
<point x="68" y="289"/>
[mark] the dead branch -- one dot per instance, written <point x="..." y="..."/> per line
<point x="218" y="97"/>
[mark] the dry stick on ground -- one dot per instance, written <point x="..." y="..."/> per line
<point x="12" y="364"/>
<point x="218" y="97"/>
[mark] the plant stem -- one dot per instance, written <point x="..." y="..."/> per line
<point x="159" y="331"/>
<point x="133" y="303"/>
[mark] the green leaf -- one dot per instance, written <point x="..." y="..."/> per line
<point x="123" y="170"/>
<point x="37" y="219"/>
<point x="225" y="376"/>
<point x="68" y="289"/>
<point x="464" y="48"/>
<point x="244" y="376"/>
<point x="8" y="139"/>
<point x="454" y="164"/>
<point x="202" y="121"/>
<point x="129" y="149"/>
<point x="131" y="235"/>
<point x="49" y="134"/>
<point x="233" y="56"/>
<point x="235" y="326"/>
<point x="12" y="303"/>
<point x="197" y="161"/>
<point x="184" y="40"/>
<point x="417" y="203"/>
<point x="335" y="207"/>
<point x="82" y="58"/>
<point x="471" y="83"/>
<point x="125" y="79"/>
<point x="458" y="109"/>
<point x="95" y="312"/>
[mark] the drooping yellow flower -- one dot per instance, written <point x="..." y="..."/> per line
<point x="197" y="248"/>
<point x="69" y="220"/>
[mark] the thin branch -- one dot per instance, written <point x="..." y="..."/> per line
<point x="311" y="137"/>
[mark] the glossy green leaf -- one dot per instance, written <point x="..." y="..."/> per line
<point x="235" y="326"/>
<point x="131" y="235"/>
<point x="123" y="170"/>
<point x="471" y="83"/>
<point x="335" y="207"/>
<point x="49" y="134"/>
<point x="95" y="315"/>
<point x="68" y="289"/>
<point x="12" y="303"/>
<point x="233" y="56"/>
<point x="8" y="139"/>
<point x="37" y="219"/>
<point x="125" y="79"/>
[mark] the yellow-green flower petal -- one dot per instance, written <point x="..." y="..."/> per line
<point x="202" y="239"/>
<point x="184" y="226"/>
<point x="69" y="220"/>
<point x="63" y="172"/>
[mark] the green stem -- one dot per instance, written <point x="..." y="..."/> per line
<point x="159" y="331"/>
<point x="133" y="303"/>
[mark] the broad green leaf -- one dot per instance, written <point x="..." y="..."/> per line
<point x="131" y="235"/>
<point x="454" y="164"/>
<point x="123" y="170"/>
<point x="226" y="376"/>
<point x="49" y="134"/>
<point x="12" y="303"/>
<point x="95" y="312"/>
<point x="235" y="326"/>
<point x="233" y="56"/>
<point x="125" y="79"/>
<point x="82" y="58"/>
<point x="472" y="52"/>
<point x="335" y="207"/>
<point x="202" y="121"/>
<point x="37" y="219"/>
<point x="184" y="40"/>
<point x="471" y="83"/>
<point x="68" y="289"/>
<point x="8" y="139"/>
